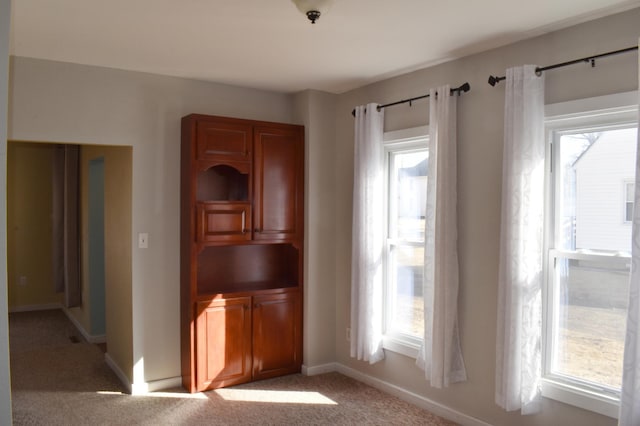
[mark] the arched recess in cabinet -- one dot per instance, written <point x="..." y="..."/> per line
<point x="223" y="209"/>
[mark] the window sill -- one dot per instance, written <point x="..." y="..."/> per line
<point x="401" y="346"/>
<point x="578" y="397"/>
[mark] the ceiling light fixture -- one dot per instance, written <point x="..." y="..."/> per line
<point x="313" y="8"/>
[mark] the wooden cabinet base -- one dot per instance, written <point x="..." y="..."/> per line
<point x="246" y="338"/>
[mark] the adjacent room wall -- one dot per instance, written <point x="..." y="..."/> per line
<point x="29" y="239"/>
<point x="53" y="101"/>
<point x="480" y="135"/>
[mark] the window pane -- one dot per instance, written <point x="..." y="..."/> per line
<point x="592" y="208"/>
<point x="589" y="328"/>
<point x="628" y="212"/>
<point x="591" y="197"/>
<point x="405" y="308"/>
<point x="629" y="189"/>
<point x="409" y="192"/>
<point x="628" y="205"/>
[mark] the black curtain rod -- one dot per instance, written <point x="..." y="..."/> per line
<point x="493" y="80"/>
<point x="462" y="89"/>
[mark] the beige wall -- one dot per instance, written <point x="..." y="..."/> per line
<point x="117" y="163"/>
<point x="53" y="102"/>
<point x="5" y="381"/>
<point x="117" y="224"/>
<point x="29" y="239"/>
<point x="480" y="124"/>
<point x="316" y="110"/>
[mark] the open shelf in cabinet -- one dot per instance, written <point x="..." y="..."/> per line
<point x="222" y="183"/>
<point x="250" y="267"/>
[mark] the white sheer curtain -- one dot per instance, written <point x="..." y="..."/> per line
<point x="519" y="325"/>
<point x="368" y="227"/>
<point x="630" y="396"/>
<point x="440" y="355"/>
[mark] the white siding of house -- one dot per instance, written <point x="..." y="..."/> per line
<point x="601" y="174"/>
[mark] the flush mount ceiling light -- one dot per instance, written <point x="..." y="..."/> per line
<point x="313" y="8"/>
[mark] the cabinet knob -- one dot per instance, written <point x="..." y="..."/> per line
<point x="256" y="230"/>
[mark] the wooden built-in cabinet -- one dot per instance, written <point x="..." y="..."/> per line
<point x="242" y="213"/>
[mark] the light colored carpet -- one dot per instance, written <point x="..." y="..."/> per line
<point x="57" y="382"/>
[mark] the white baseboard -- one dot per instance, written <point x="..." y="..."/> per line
<point x="319" y="369"/>
<point x="31" y="308"/>
<point x="100" y="338"/>
<point x="118" y="372"/>
<point x="141" y="388"/>
<point x="156" y="385"/>
<point x="413" y="398"/>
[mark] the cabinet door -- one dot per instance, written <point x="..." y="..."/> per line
<point x="277" y="336"/>
<point x="223" y="221"/>
<point x="223" y="140"/>
<point x="223" y="342"/>
<point x="278" y="183"/>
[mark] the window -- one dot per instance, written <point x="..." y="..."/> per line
<point x="589" y="251"/>
<point x="629" y="190"/>
<point x="406" y="171"/>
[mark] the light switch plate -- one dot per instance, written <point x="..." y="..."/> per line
<point x="143" y="240"/>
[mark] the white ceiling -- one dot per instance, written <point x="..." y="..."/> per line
<point x="268" y="44"/>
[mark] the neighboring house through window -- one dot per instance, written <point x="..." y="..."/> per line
<point x="629" y="190"/>
<point x="591" y="151"/>
<point x="406" y="156"/>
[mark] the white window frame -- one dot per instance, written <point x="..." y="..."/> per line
<point x="585" y="114"/>
<point x="398" y="141"/>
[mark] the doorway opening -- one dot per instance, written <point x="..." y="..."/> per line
<point x="104" y="237"/>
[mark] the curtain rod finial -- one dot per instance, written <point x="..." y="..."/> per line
<point x="493" y="80"/>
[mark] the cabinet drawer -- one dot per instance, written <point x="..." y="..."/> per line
<point x="223" y="221"/>
<point x="223" y="141"/>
